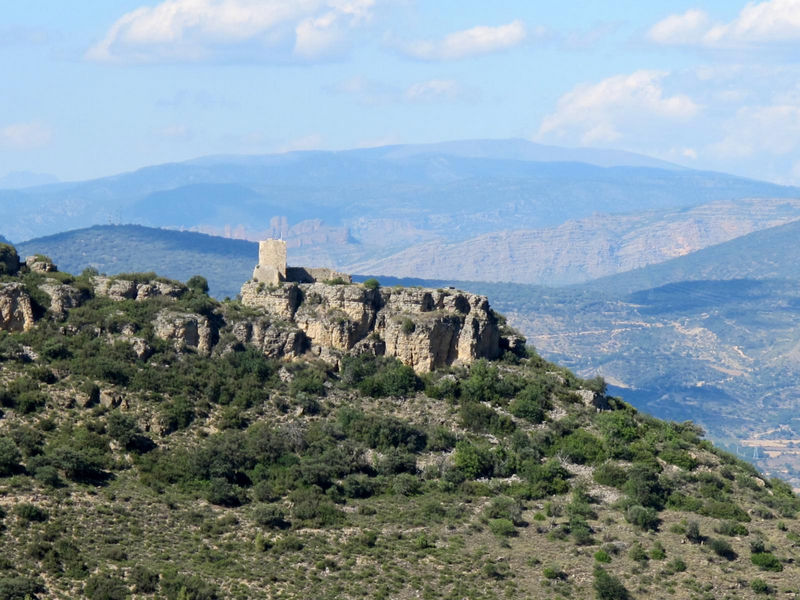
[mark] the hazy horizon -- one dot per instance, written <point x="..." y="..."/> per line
<point x="105" y="88"/>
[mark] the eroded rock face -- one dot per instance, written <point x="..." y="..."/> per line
<point x="185" y="330"/>
<point x="423" y="328"/>
<point x="16" y="308"/>
<point x="39" y="264"/>
<point x="62" y="297"/>
<point x="123" y="289"/>
<point x="274" y="339"/>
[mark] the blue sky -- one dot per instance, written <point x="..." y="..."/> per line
<point x="93" y="88"/>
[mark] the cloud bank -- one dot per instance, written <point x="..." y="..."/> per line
<point x="758" y="24"/>
<point x="614" y="108"/>
<point x="469" y="42"/>
<point x="196" y="30"/>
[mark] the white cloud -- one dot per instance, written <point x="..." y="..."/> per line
<point x="433" y="90"/>
<point x="25" y="136"/>
<point x="617" y="107"/>
<point x="758" y="23"/>
<point x="193" y="30"/>
<point x="469" y="42"/>
<point x="761" y="130"/>
<point x="680" y="29"/>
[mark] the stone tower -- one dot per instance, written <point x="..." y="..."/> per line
<point x="271" y="267"/>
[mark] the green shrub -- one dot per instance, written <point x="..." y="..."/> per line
<point x="30" y="513"/>
<point x="19" y="588"/>
<point x="723" y="548"/>
<point x="502" y="527"/>
<point x="658" y="552"/>
<point x="484" y="419"/>
<point x="724" y="510"/>
<point x="408" y="326"/>
<point x="104" y="586"/>
<point x="532" y="402"/>
<point x="371" y="284"/>
<point x="392" y="379"/>
<point x="270" y="516"/>
<point x="680" y="458"/>
<point x="554" y="573"/>
<point x="9" y="259"/>
<point x="473" y="461"/>
<point x="406" y="484"/>
<point x="602" y="556"/>
<point x="608" y="587"/>
<point x="48" y="475"/>
<point x="679" y="501"/>
<point x="441" y="439"/>
<point x="731" y="529"/>
<point x="144" y="580"/>
<point x="759" y="586"/>
<point x="693" y="532"/>
<point x="611" y="475"/>
<point x="223" y="493"/>
<point x="766" y="561"/>
<point x="9" y="456"/>
<point x="676" y="565"/>
<point x="176" y="586"/>
<point x="504" y="507"/>
<point x="644" y="518"/>
<point x="198" y="283"/>
<point x="312" y="508"/>
<point x="637" y="553"/>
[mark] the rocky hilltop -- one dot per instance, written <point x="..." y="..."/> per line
<point x="423" y="328"/>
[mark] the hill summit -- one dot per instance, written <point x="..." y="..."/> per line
<point x="148" y="451"/>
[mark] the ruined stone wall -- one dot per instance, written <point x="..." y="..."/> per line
<point x="312" y="275"/>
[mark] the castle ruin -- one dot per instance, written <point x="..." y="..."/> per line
<point x="271" y="268"/>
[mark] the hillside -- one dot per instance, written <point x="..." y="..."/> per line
<point x="587" y="249"/>
<point x="137" y="464"/>
<point x="768" y="254"/>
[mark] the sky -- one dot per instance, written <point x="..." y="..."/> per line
<point x="91" y="88"/>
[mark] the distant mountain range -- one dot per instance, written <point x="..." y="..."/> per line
<point x="25" y="179"/>
<point x="502" y="210"/>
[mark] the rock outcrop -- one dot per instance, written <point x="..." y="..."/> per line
<point x="126" y="289"/>
<point x="185" y="330"/>
<point x="276" y="339"/>
<point x="423" y="328"/>
<point x="62" y="297"/>
<point x="16" y="308"/>
<point x="40" y="264"/>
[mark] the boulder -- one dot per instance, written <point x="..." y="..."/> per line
<point x="185" y="330"/>
<point x="62" y="297"/>
<point x="40" y="264"/>
<point x="16" y="308"/>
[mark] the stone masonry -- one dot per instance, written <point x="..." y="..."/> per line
<point x="272" y="270"/>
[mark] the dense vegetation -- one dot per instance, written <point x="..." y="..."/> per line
<point x="177" y="475"/>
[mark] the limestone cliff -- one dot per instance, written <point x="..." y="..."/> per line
<point x="16" y="308"/>
<point x="423" y="328"/>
